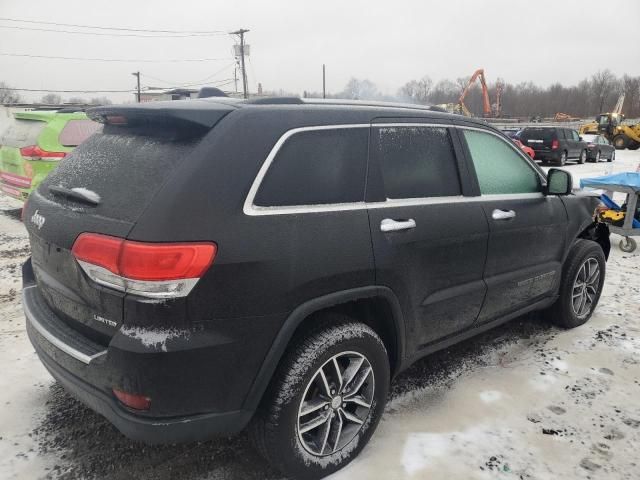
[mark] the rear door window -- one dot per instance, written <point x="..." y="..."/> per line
<point x="22" y="133"/>
<point x="500" y="169"/>
<point x="317" y="167"/>
<point x="416" y="162"/>
<point x="77" y="131"/>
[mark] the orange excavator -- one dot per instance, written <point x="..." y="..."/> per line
<point x="488" y="109"/>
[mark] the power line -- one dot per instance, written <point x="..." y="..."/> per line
<point x="172" y="60"/>
<point x="65" y="91"/>
<point x="196" y="82"/>
<point x="110" y="28"/>
<point x="115" y="34"/>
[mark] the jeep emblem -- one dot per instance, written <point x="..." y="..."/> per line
<point x="38" y="220"/>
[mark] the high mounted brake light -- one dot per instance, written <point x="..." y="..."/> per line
<point x="157" y="270"/>
<point x="34" y="152"/>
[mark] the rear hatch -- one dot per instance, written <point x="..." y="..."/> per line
<point x="22" y="132"/>
<point x="539" y="138"/>
<point x="103" y="187"/>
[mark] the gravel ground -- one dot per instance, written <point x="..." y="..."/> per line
<point x="524" y="401"/>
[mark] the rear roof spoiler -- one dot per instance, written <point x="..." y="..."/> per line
<point x="197" y="112"/>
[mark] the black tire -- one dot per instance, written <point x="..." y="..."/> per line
<point x="563" y="312"/>
<point x="633" y="145"/>
<point x="598" y="155"/>
<point x="563" y="159"/>
<point x="620" y="142"/>
<point x="275" y="429"/>
<point x="612" y="157"/>
<point x="583" y="157"/>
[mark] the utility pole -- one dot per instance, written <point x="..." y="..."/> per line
<point x="241" y="33"/>
<point x="235" y="77"/>
<point x="137" y="74"/>
<point x="324" y="82"/>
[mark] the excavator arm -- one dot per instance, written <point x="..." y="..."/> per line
<point x="486" y="103"/>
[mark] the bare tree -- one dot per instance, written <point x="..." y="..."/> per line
<point x="360" y="90"/>
<point x="77" y="100"/>
<point x="100" y="101"/>
<point x="417" y="91"/>
<point x="631" y="88"/>
<point x="7" y="95"/>
<point x="602" y="83"/>
<point x="52" y="99"/>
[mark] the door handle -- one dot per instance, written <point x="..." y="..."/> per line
<point x="390" y="225"/>
<point x="503" y="214"/>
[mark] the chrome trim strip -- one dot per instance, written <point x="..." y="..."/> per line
<point x="55" y="341"/>
<point x="254" y="210"/>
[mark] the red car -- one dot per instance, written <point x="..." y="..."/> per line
<point x="528" y="150"/>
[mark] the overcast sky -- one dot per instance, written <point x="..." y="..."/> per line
<point x="388" y="42"/>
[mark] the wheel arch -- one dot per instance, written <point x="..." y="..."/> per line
<point x="597" y="232"/>
<point x="358" y="302"/>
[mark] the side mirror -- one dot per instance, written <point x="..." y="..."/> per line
<point x="559" y="182"/>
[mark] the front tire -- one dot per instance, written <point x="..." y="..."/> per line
<point x="612" y="157"/>
<point x="324" y="401"/>
<point x="620" y="142"/>
<point x="598" y="156"/>
<point x="580" y="286"/>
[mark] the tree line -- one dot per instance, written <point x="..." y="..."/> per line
<point x="593" y="95"/>
<point x="9" y="96"/>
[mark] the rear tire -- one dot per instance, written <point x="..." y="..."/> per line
<point x="563" y="159"/>
<point x="580" y="286"/>
<point x="633" y="145"/>
<point x="612" y="157"/>
<point x="583" y="157"/>
<point x="620" y="142"/>
<point x="308" y="379"/>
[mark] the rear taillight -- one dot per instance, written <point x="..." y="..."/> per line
<point x="555" y="144"/>
<point x="34" y="152"/>
<point x="132" y="400"/>
<point x="158" y="270"/>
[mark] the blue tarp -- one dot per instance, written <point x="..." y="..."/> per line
<point x="625" y="179"/>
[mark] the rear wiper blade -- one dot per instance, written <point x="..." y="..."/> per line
<point x="78" y="194"/>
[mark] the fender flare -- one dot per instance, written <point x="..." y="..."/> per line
<point x="297" y="316"/>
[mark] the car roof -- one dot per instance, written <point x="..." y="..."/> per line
<point x="207" y="111"/>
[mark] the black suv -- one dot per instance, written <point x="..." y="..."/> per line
<point x="203" y="266"/>
<point x="554" y="144"/>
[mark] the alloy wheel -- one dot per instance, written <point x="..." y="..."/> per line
<point x="585" y="287"/>
<point x="336" y="403"/>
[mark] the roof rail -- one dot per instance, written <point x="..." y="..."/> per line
<point x="275" y="101"/>
<point x="367" y="103"/>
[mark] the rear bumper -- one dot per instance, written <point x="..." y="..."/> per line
<point x="144" y="429"/>
<point x="547" y="155"/>
<point x="192" y="387"/>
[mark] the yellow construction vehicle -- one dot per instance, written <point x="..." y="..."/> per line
<point x="621" y="136"/>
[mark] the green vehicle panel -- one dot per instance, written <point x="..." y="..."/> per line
<point x="34" y="143"/>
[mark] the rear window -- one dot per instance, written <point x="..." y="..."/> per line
<point x="317" y="167"/>
<point x="416" y="162"/>
<point x="22" y="133"/>
<point x="125" y="170"/>
<point x="534" y="133"/>
<point x="77" y="131"/>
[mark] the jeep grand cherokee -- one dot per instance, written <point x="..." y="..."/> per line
<point x="200" y="267"/>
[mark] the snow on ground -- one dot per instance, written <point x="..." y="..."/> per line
<point x="524" y="401"/>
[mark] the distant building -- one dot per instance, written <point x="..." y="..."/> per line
<point x="157" y="94"/>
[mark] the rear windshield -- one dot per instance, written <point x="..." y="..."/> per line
<point x="544" y="134"/>
<point x="22" y="133"/>
<point x="124" y="170"/>
<point x="77" y="131"/>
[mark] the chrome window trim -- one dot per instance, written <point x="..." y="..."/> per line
<point x="250" y="209"/>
